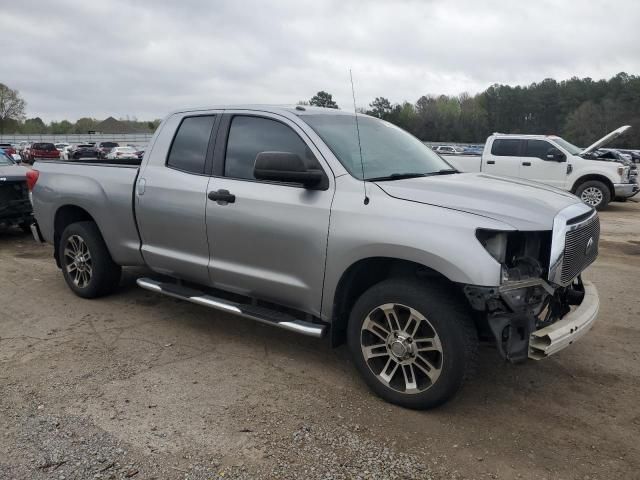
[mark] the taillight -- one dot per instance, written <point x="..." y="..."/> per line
<point x="32" y="178"/>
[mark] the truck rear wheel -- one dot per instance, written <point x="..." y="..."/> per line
<point x="87" y="265"/>
<point x="594" y="193"/>
<point x="413" y="342"/>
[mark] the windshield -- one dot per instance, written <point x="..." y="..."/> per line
<point x="569" y="147"/>
<point x="386" y="149"/>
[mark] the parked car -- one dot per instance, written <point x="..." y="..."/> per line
<point x="105" y="147"/>
<point x="42" y="151"/>
<point x="61" y="146"/>
<point x="83" y="150"/>
<point x="15" y="206"/>
<point x="21" y="146"/>
<point x="124" y="153"/>
<point x="448" y="149"/>
<point x="267" y="213"/>
<point x="473" y="150"/>
<point x="552" y="160"/>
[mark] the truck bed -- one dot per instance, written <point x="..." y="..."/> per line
<point x="101" y="188"/>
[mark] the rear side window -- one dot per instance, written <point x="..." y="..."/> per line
<point x="248" y="136"/>
<point x="189" y="148"/>
<point x="505" y="147"/>
<point x="537" y="148"/>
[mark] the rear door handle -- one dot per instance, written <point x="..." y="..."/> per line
<point x="491" y="162"/>
<point x="526" y="164"/>
<point x="222" y="197"/>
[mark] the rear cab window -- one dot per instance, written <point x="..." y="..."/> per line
<point x="506" y="147"/>
<point x="188" y="150"/>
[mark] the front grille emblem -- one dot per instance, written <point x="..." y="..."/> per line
<point x="589" y="246"/>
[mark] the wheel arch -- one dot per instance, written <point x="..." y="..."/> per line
<point x="362" y="275"/>
<point x="65" y="216"/>
<point x="594" y="176"/>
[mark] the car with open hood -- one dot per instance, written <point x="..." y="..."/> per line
<point x="552" y="160"/>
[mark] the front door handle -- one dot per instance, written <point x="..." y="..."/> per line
<point x="491" y="162"/>
<point x="222" y="197"/>
<point x="526" y="164"/>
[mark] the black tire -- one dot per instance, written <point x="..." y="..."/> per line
<point x="105" y="273"/>
<point x="25" y="227"/>
<point x="594" y="193"/>
<point x="448" y="317"/>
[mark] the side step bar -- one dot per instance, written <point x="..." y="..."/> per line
<point x="254" y="312"/>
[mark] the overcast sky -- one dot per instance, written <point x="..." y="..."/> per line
<point x="144" y="58"/>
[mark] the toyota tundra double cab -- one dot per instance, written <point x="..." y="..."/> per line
<point x="320" y="221"/>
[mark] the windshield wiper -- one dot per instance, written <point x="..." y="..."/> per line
<point x="400" y="176"/>
<point x="444" y="171"/>
<point x="396" y="176"/>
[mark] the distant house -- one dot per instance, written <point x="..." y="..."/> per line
<point x="111" y="125"/>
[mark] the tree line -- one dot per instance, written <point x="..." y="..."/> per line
<point x="579" y="109"/>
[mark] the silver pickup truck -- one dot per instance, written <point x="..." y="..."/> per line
<point x="315" y="220"/>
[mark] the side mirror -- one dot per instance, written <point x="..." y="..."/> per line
<point x="285" y="167"/>
<point x="556" y="155"/>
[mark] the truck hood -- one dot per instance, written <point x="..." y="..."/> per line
<point x="10" y="173"/>
<point x="606" y="139"/>
<point x="522" y="204"/>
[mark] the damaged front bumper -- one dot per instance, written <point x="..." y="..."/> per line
<point x="532" y="319"/>
<point x="564" y="332"/>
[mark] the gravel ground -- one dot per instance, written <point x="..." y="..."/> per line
<point x="142" y="386"/>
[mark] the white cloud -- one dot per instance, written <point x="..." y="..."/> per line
<point x="144" y="58"/>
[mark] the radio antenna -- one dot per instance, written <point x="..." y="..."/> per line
<point x="355" y="111"/>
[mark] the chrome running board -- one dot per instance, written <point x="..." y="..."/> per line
<point x="254" y="312"/>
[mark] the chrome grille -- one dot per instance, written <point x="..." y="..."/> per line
<point x="580" y="249"/>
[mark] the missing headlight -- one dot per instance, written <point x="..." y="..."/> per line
<point x="522" y="255"/>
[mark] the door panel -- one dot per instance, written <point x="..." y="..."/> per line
<point x="535" y="166"/>
<point x="504" y="158"/>
<point x="270" y="243"/>
<point x="172" y="200"/>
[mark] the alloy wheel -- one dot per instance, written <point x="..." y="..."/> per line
<point x="78" y="261"/>
<point x="401" y="348"/>
<point x="592" y="196"/>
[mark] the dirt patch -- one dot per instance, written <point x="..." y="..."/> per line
<point x="141" y="386"/>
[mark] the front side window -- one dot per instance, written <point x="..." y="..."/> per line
<point x="387" y="150"/>
<point x="249" y="136"/>
<point x="537" y="149"/>
<point x="505" y="147"/>
<point x="189" y="148"/>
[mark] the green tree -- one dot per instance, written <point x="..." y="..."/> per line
<point x="12" y="106"/>
<point x="380" y="107"/>
<point x="323" y="99"/>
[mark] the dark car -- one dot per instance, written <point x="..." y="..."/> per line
<point x="42" y="151"/>
<point x="15" y="207"/>
<point x="83" y="150"/>
<point x="105" y="147"/>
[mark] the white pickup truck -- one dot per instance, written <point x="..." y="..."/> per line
<point x="554" y="161"/>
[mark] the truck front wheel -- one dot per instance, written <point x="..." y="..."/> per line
<point x="594" y="193"/>
<point x="413" y="342"/>
<point x="87" y="265"/>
